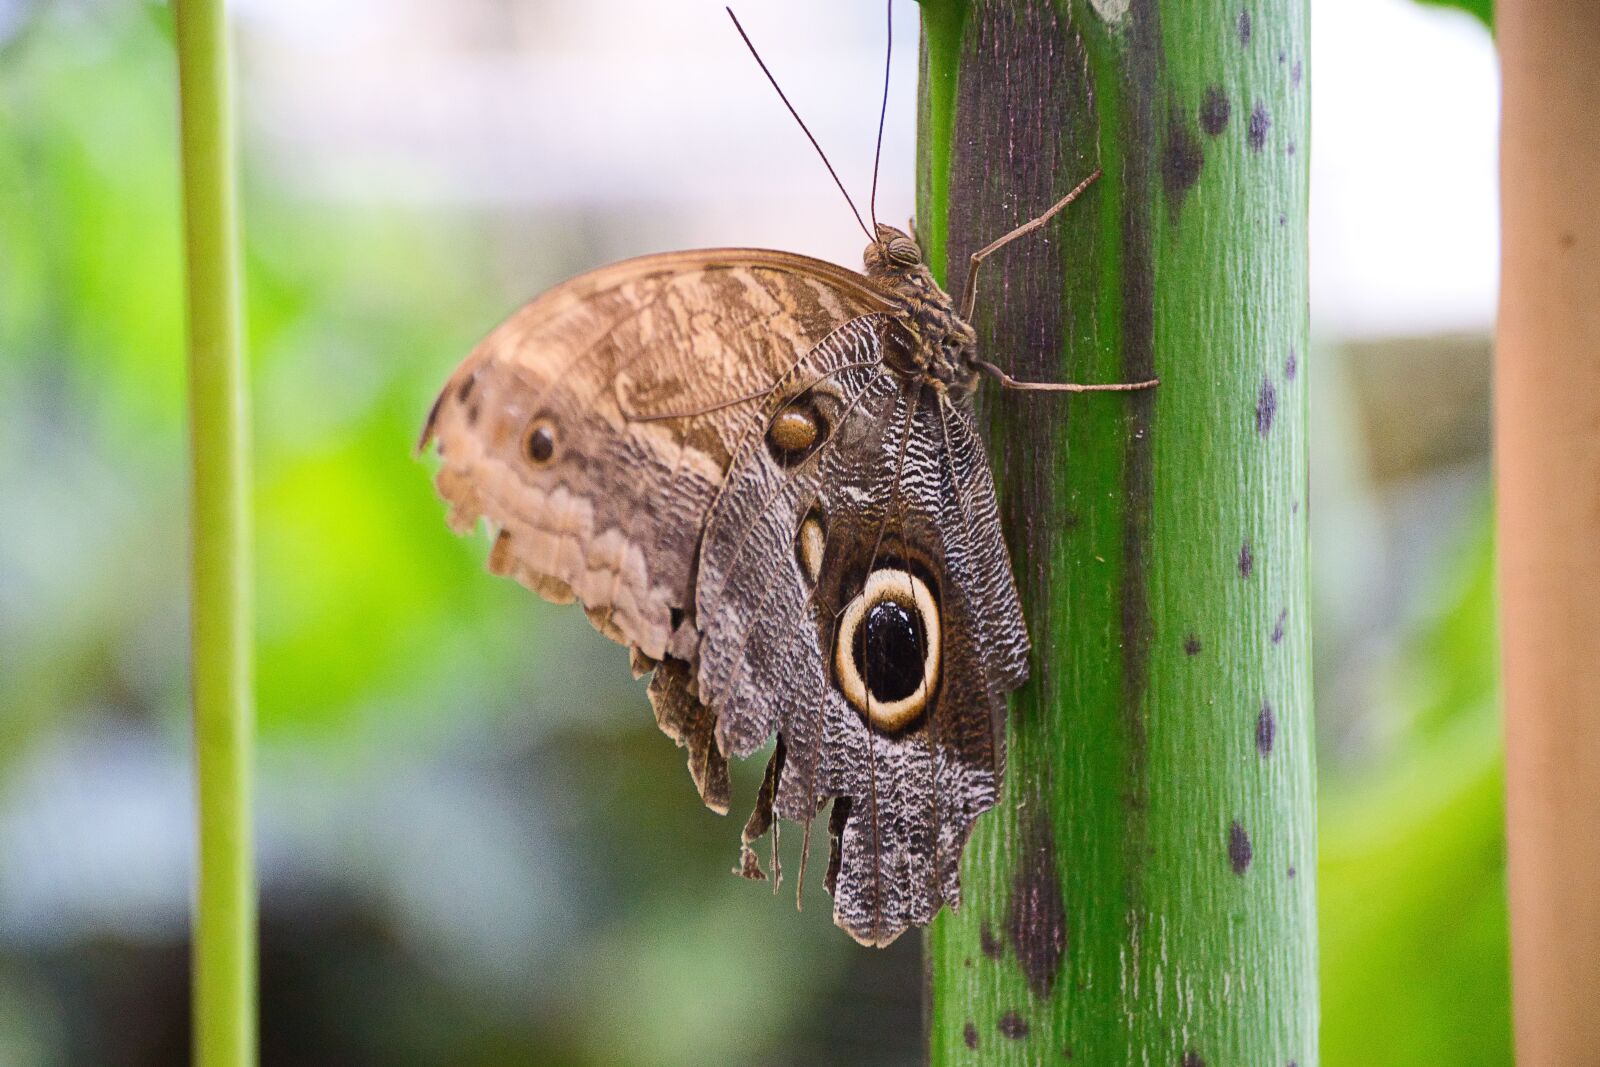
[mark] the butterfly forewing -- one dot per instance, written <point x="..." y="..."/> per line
<point x="612" y="514"/>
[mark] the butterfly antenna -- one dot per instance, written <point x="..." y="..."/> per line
<point x="883" y="112"/>
<point x="762" y="64"/>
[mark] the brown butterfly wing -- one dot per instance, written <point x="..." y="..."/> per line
<point x="660" y="500"/>
<point x="902" y="481"/>
<point x="551" y="429"/>
<point x="913" y="795"/>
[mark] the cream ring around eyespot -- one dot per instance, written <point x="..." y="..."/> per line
<point x="906" y="589"/>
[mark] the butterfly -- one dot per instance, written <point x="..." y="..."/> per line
<point x="762" y="473"/>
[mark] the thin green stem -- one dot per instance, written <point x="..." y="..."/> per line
<point x="941" y="39"/>
<point x="225" y="907"/>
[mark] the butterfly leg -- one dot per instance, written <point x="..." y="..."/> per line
<point x="1008" y="382"/>
<point x="970" y="292"/>
<point x="970" y="299"/>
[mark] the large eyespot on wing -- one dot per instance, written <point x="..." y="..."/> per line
<point x="844" y="605"/>
<point x="914" y="794"/>
<point x="887" y="650"/>
<point x="559" y="428"/>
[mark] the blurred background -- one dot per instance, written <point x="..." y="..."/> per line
<point x="475" y="846"/>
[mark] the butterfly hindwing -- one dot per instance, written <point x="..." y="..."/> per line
<point x="783" y="560"/>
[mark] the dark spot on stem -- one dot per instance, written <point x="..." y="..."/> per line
<point x="1283" y="220"/>
<point x="1247" y="560"/>
<point x="1291" y="366"/>
<point x="1013" y="1025"/>
<point x="1277" y="627"/>
<point x="1181" y="161"/>
<point x="1191" y="645"/>
<point x="1260" y="123"/>
<point x="1266" y="406"/>
<point x="1239" y="850"/>
<point x="988" y="942"/>
<point x="1215" y="109"/>
<point x="1290" y="149"/>
<point x="1193" y="1059"/>
<point x="969" y="1034"/>
<point x="1291" y="870"/>
<point x="1266" y="731"/>
<point x="1246" y="28"/>
<point x="1296" y="72"/>
<point x="1037" y="921"/>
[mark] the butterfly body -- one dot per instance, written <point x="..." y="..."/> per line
<point x="939" y="344"/>
<point x="762" y="474"/>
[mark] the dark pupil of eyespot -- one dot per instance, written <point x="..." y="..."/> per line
<point x="889" y="649"/>
<point x="541" y="444"/>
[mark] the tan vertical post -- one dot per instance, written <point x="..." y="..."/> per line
<point x="1548" y="467"/>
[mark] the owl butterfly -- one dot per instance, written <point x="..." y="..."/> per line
<point x="762" y="474"/>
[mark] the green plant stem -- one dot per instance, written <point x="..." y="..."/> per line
<point x="225" y="908"/>
<point x="1144" y="893"/>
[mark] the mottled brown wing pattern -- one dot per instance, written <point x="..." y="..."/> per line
<point x="1002" y="631"/>
<point x="888" y="497"/>
<point x="709" y="451"/>
<point x="612" y="515"/>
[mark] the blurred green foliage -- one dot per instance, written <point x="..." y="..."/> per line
<point x="476" y="847"/>
<point x="1415" y="957"/>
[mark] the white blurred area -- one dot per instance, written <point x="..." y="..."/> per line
<point x="1404" y="178"/>
<point x="651" y="119"/>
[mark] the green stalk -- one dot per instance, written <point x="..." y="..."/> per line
<point x="225" y="906"/>
<point x="1144" y="893"/>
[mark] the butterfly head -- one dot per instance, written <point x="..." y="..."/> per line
<point x="894" y="256"/>
<point x="938" y="343"/>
